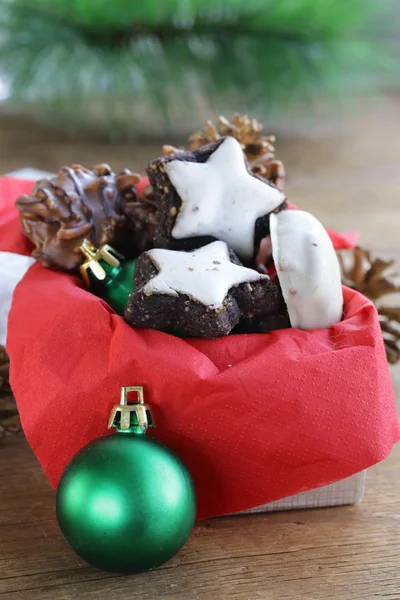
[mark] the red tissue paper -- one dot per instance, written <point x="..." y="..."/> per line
<point x="256" y="417"/>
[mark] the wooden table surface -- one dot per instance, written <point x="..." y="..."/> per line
<point x="349" y="176"/>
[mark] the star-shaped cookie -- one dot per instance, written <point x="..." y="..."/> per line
<point x="205" y="275"/>
<point x="210" y="194"/>
<point x="202" y="293"/>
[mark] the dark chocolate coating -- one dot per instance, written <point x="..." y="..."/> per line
<point x="192" y="318"/>
<point x="169" y="201"/>
<point x="263" y="323"/>
<point x="81" y="203"/>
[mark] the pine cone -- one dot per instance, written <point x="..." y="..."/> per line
<point x="258" y="148"/>
<point x="81" y="203"/>
<point x="373" y="278"/>
<point x="9" y="420"/>
<point x="4" y="372"/>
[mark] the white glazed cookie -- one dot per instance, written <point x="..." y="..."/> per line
<point x="201" y="293"/>
<point x="308" y="269"/>
<point x="220" y="198"/>
<point x="205" y="275"/>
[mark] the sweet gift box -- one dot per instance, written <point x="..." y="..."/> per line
<point x="257" y="417"/>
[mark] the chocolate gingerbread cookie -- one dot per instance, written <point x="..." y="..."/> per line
<point x="211" y="194"/>
<point x="264" y="323"/>
<point x="81" y="203"/>
<point x="199" y="293"/>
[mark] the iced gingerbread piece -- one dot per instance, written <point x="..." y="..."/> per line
<point x="210" y="194"/>
<point x="200" y="293"/>
<point x="308" y="270"/>
<point x="258" y="147"/>
<point x="81" y="203"/>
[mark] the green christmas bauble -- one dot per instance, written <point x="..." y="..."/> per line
<point x="126" y="503"/>
<point x="117" y="286"/>
<point x="108" y="275"/>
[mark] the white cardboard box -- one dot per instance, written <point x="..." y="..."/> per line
<point x="346" y="491"/>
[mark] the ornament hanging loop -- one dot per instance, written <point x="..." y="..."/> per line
<point x="129" y="417"/>
<point x="93" y="256"/>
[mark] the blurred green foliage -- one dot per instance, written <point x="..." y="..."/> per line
<point x="124" y="67"/>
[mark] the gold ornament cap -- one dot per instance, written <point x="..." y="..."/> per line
<point x="93" y="256"/>
<point x="122" y="413"/>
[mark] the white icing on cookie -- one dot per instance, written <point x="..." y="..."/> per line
<point x="205" y="275"/>
<point x="220" y="198"/>
<point x="308" y="270"/>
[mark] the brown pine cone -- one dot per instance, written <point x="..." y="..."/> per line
<point x="4" y="371"/>
<point x="374" y="278"/>
<point x="84" y="203"/>
<point x="258" y="148"/>
<point x="9" y="420"/>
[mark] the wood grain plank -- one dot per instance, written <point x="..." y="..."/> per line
<point x="224" y="557"/>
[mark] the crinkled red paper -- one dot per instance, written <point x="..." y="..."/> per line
<point x="255" y="417"/>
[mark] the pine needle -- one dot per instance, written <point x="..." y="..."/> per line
<point x="139" y="66"/>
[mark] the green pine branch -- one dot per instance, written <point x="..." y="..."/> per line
<point x="138" y="65"/>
